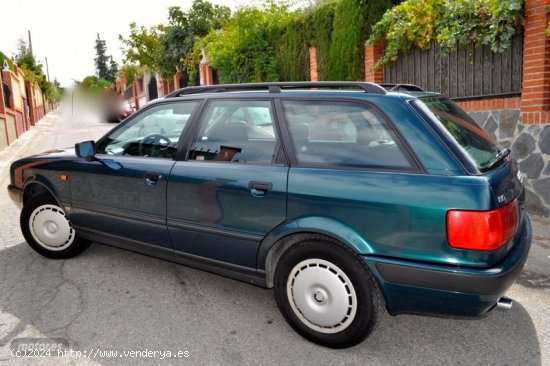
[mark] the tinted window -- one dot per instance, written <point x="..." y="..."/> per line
<point x="478" y="144"/>
<point x="347" y="134"/>
<point x="153" y="133"/>
<point x="236" y="131"/>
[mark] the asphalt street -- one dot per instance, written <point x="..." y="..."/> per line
<point x="117" y="307"/>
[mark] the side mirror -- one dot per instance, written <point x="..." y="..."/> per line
<point x="85" y="150"/>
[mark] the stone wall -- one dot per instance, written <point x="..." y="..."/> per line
<point x="530" y="145"/>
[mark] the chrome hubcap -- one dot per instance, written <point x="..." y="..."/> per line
<point x="322" y="296"/>
<point x="50" y="228"/>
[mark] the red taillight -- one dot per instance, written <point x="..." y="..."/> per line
<point x="482" y="230"/>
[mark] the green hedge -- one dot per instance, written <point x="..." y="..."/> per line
<point x="272" y="43"/>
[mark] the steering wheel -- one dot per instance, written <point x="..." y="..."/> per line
<point x="151" y="142"/>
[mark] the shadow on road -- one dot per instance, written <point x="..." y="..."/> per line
<point x="115" y="300"/>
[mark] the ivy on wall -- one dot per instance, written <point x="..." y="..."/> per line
<point x="451" y="24"/>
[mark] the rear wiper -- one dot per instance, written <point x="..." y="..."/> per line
<point x="498" y="158"/>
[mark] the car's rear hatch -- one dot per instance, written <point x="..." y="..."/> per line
<point x="480" y="155"/>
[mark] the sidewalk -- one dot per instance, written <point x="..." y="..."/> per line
<point x="18" y="148"/>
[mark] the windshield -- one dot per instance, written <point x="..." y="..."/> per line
<point x="480" y="146"/>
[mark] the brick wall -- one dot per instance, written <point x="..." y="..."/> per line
<point x="535" y="98"/>
<point x="476" y="105"/>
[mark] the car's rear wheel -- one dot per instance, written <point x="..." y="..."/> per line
<point x="48" y="230"/>
<point x="326" y="292"/>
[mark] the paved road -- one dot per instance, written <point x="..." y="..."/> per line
<point x="115" y="301"/>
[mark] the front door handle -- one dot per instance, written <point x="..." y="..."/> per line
<point x="259" y="189"/>
<point x="152" y="178"/>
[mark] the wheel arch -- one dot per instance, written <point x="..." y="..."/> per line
<point x="35" y="185"/>
<point x="293" y="232"/>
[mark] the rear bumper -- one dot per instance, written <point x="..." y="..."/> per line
<point x="411" y="287"/>
<point x="16" y="195"/>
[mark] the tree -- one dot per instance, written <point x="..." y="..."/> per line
<point x="113" y="69"/>
<point x="131" y="72"/>
<point x="142" y="46"/>
<point x="26" y="61"/>
<point x="32" y="71"/>
<point x="178" y="38"/>
<point x="106" y="67"/>
<point x="94" y="83"/>
<point x="241" y="52"/>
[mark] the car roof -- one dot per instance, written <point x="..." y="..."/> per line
<point x="306" y="89"/>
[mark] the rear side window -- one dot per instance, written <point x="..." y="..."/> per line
<point x="480" y="146"/>
<point x="343" y="134"/>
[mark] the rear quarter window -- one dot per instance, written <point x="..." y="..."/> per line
<point x="343" y="134"/>
<point x="478" y="144"/>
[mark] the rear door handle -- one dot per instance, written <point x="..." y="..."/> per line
<point x="259" y="189"/>
<point x="152" y="178"/>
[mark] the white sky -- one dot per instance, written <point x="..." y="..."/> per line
<point x="64" y="31"/>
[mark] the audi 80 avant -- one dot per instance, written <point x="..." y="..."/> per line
<point x="348" y="199"/>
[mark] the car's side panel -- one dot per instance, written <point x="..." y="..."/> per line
<point x="122" y="201"/>
<point x="399" y="215"/>
<point x="213" y="213"/>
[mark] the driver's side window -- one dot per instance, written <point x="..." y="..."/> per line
<point x="153" y="133"/>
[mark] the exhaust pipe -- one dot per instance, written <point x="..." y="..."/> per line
<point x="504" y="304"/>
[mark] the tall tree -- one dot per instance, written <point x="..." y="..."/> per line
<point x="105" y="66"/>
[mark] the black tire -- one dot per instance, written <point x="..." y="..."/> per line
<point x="328" y="271"/>
<point x="47" y="229"/>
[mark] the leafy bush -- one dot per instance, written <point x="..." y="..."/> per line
<point x="132" y="72"/>
<point x="241" y="51"/>
<point x="450" y="24"/>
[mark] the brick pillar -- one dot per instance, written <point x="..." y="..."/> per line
<point x="135" y="91"/>
<point x="177" y="78"/>
<point x="313" y="74"/>
<point x="165" y="90"/>
<point x="206" y="72"/>
<point x="372" y="55"/>
<point x="535" y="91"/>
<point x="32" y="103"/>
<point x="121" y="83"/>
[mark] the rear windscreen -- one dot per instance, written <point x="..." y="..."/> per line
<point x="480" y="146"/>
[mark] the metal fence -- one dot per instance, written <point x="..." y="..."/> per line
<point x="470" y="72"/>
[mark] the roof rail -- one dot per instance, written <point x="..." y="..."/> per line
<point x="276" y="87"/>
<point x="397" y="87"/>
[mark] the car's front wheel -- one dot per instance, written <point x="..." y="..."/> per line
<point x="48" y="230"/>
<point x="326" y="292"/>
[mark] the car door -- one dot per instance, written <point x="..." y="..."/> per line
<point x="123" y="194"/>
<point x="229" y="192"/>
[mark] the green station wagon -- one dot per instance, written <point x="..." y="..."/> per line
<point x="346" y="198"/>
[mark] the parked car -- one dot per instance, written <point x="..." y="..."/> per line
<point x="114" y="107"/>
<point x="343" y="197"/>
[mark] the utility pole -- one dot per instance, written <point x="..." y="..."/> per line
<point x="30" y="43"/>
<point x="47" y="69"/>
